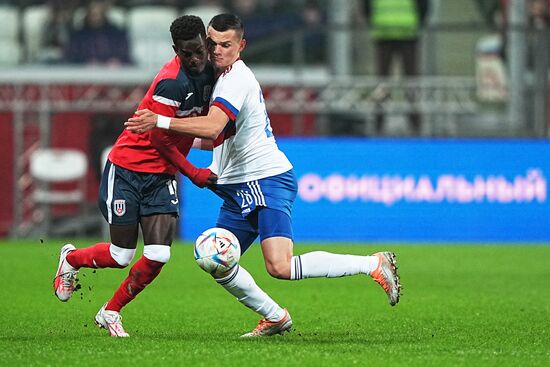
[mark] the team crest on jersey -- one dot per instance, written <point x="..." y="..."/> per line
<point x="206" y="93"/>
<point x="120" y="207"/>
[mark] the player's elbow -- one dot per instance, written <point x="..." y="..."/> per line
<point x="212" y="134"/>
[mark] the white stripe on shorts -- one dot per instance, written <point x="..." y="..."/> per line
<point x="253" y="192"/>
<point x="110" y="189"/>
<point x="257" y="192"/>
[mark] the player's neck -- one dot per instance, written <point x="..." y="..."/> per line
<point x="226" y="69"/>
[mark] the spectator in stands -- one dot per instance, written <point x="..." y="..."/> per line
<point x="56" y="31"/>
<point x="277" y="31"/>
<point x="260" y="24"/>
<point x="539" y="11"/>
<point x="490" y="11"/>
<point x="313" y="16"/>
<point x="495" y="12"/>
<point x="395" y="27"/>
<point x="99" y="41"/>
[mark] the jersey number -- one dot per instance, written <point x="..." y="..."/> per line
<point x="246" y="198"/>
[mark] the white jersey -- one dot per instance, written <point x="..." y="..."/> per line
<point x="246" y="149"/>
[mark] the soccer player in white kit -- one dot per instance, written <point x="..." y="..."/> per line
<point x="257" y="183"/>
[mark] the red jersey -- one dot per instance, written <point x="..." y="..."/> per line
<point x="172" y="93"/>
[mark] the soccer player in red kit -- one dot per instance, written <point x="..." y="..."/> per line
<point x="138" y="186"/>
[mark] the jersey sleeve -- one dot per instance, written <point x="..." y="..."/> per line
<point x="167" y="145"/>
<point x="167" y="97"/>
<point x="229" y="95"/>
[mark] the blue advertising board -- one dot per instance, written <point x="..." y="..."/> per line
<point x="405" y="190"/>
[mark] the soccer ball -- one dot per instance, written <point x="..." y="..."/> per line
<point x="217" y="250"/>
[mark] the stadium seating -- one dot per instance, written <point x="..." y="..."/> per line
<point x="10" y="51"/>
<point x="34" y="19"/>
<point x="149" y="31"/>
<point x="51" y="167"/>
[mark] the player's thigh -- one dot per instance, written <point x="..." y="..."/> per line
<point x="275" y="229"/>
<point x="244" y="228"/>
<point x="159" y="229"/>
<point x="124" y="236"/>
<point x="159" y="195"/>
<point x="159" y="208"/>
<point x="119" y="203"/>
<point x="119" y="195"/>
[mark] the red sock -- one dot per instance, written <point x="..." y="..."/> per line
<point x="141" y="274"/>
<point x="96" y="256"/>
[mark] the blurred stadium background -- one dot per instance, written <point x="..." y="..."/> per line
<point x="473" y="171"/>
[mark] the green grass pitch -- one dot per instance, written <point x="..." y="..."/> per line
<point x="462" y="305"/>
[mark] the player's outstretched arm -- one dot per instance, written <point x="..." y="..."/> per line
<point x="206" y="127"/>
<point x="199" y="176"/>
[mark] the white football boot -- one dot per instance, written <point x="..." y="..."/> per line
<point x="65" y="278"/>
<point x="386" y="275"/>
<point x="269" y="328"/>
<point x="111" y="321"/>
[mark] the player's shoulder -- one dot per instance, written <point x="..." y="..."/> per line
<point x="171" y="78"/>
<point x="170" y="70"/>
<point x="238" y="71"/>
<point x="172" y="88"/>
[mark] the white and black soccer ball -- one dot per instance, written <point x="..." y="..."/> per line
<point x="217" y="250"/>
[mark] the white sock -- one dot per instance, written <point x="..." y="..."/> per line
<point x="241" y="284"/>
<point x="319" y="264"/>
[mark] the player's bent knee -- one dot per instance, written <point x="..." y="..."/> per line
<point x="279" y="270"/>
<point x="160" y="253"/>
<point x="123" y="256"/>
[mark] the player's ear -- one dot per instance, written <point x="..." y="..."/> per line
<point x="242" y="45"/>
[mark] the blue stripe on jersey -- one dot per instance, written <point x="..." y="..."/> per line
<point x="228" y="105"/>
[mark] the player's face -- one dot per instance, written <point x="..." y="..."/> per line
<point x="224" y="48"/>
<point x="192" y="54"/>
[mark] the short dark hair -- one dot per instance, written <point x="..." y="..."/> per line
<point x="186" y="28"/>
<point x="224" y="22"/>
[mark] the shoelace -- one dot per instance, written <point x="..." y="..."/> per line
<point x="68" y="279"/>
<point x="112" y="318"/>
